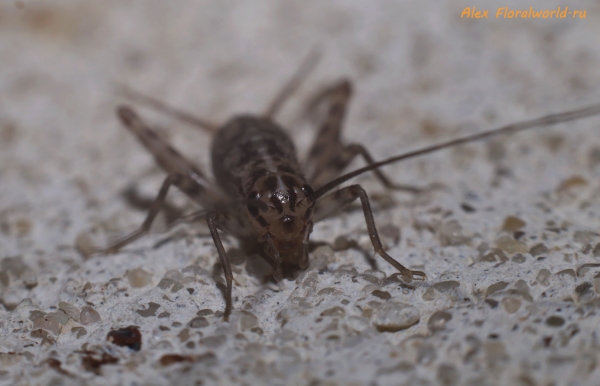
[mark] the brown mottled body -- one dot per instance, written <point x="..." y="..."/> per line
<point x="255" y="162"/>
<point x="262" y="193"/>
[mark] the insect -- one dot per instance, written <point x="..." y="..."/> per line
<point x="262" y="194"/>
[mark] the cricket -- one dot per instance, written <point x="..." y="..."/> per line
<point x="262" y="194"/>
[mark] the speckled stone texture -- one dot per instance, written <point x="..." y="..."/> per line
<point x="507" y="234"/>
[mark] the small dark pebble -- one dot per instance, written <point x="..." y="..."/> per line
<point x="150" y="311"/>
<point x="499" y="253"/>
<point x="381" y="294"/>
<point x="341" y="243"/>
<point x="213" y="341"/>
<point x="448" y="285"/>
<point x="39" y="333"/>
<point x="396" y="278"/>
<point x="518" y="234"/>
<point x="518" y="258"/>
<point x="35" y="315"/>
<point x="198" y="322"/>
<point x="538" y="249"/>
<point x="80" y="331"/>
<point x="169" y="359"/>
<point x="489" y="258"/>
<point x="596" y="250"/>
<point x="568" y="271"/>
<point x="166" y="283"/>
<point x="129" y="337"/>
<point x="555" y="321"/>
<point x="438" y="320"/>
<point x="333" y="312"/>
<point x="93" y="364"/>
<point x="491" y="302"/>
<point x="581" y="288"/>
<point x="467" y="208"/>
<point x="56" y="365"/>
<point x="205" y="312"/>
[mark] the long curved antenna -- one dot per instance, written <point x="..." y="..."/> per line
<point x="292" y="85"/>
<point x="547" y="120"/>
<point x="183" y="116"/>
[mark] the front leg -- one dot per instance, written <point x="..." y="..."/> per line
<point x="343" y="197"/>
<point x="214" y="220"/>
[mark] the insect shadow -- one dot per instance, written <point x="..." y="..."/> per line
<point x="261" y="194"/>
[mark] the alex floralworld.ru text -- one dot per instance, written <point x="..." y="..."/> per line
<point x="507" y="13"/>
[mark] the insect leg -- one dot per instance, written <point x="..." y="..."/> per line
<point x="344" y="197"/>
<point x="182" y="174"/>
<point x="327" y="142"/>
<point x="212" y="219"/>
<point x="154" y="209"/>
<point x="328" y="156"/>
<point x="192" y="182"/>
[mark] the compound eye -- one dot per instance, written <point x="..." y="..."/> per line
<point x="307" y="190"/>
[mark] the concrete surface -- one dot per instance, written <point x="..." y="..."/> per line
<point x="503" y="239"/>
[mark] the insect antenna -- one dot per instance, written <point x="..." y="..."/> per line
<point x="155" y="104"/>
<point x="547" y="120"/>
<point x="292" y="85"/>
